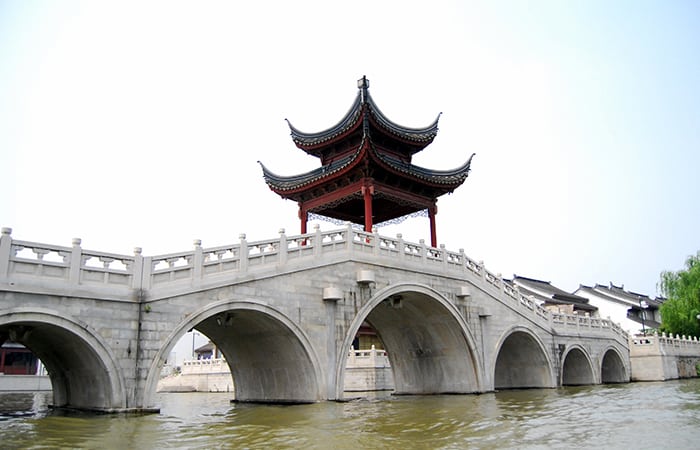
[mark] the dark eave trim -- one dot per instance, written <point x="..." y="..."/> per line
<point x="352" y="117"/>
<point x="288" y="184"/>
<point x="451" y="178"/>
<point x="420" y="135"/>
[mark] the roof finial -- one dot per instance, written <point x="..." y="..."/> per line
<point x="363" y="85"/>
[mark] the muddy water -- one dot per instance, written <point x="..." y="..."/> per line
<point x="636" y="415"/>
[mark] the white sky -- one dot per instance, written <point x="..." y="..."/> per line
<point x="140" y="123"/>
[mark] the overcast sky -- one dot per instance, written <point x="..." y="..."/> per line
<point x="140" y="123"/>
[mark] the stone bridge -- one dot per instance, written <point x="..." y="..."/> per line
<point x="284" y="313"/>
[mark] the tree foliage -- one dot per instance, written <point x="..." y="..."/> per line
<point x="682" y="289"/>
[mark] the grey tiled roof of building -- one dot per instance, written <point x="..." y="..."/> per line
<point x="545" y="291"/>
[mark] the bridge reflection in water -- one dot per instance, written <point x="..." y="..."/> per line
<point x="286" y="310"/>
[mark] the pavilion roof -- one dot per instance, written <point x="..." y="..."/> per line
<point x="444" y="180"/>
<point x="364" y="107"/>
<point x="294" y="182"/>
<point x="454" y="176"/>
<point x="366" y="150"/>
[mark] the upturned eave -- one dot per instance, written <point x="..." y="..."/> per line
<point x="421" y="137"/>
<point x="311" y="141"/>
<point x="449" y="179"/>
<point x="364" y="107"/>
<point x="286" y="186"/>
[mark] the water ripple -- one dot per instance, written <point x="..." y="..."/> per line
<point x="643" y="415"/>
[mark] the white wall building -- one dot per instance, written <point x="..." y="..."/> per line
<point x="634" y="312"/>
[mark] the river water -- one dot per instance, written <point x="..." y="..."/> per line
<point x="635" y="415"/>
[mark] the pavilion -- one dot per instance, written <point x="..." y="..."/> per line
<point x="366" y="175"/>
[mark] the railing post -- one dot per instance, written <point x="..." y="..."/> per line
<point x="352" y="355"/>
<point x="5" y="250"/>
<point x="462" y="259"/>
<point x="243" y="253"/>
<point x="197" y="264"/>
<point x="402" y="246"/>
<point x="283" y="247"/>
<point x="423" y="251"/>
<point x="443" y="255"/>
<point x="349" y="236"/>
<point x="137" y="279"/>
<point x="482" y="269"/>
<point x="376" y="244"/>
<point x="147" y="276"/>
<point x="76" y="261"/>
<point x="318" y="241"/>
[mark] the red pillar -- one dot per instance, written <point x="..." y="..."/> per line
<point x="367" y="191"/>
<point x="433" y="234"/>
<point x="304" y="217"/>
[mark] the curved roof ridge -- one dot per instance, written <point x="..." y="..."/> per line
<point x="285" y="183"/>
<point x="450" y="176"/>
<point x="529" y="278"/>
<point x="350" y="119"/>
<point x="415" y="134"/>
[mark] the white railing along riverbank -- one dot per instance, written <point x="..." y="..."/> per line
<point x="367" y="358"/>
<point x="206" y="366"/>
<point x="128" y="276"/>
<point x="668" y="344"/>
<point x="661" y="357"/>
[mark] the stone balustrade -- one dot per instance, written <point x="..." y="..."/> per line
<point x="666" y="342"/>
<point x="45" y="264"/>
<point x="367" y="358"/>
<point x="130" y="277"/>
<point x="205" y="366"/>
<point x="658" y="358"/>
<point x="368" y="370"/>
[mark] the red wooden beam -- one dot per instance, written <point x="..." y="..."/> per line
<point x="333" y="196"/>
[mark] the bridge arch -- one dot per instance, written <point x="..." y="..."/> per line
<point x="522" y="361"/>
<point x="83" y="370"/>
<point x="613" y="368"/>
<point x="271" y="358"/>
<point x="428" y="342"/>
<point x="577" y="368"/>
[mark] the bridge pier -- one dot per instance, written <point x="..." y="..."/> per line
<point x="330" y="297"/>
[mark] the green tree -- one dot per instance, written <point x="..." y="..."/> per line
<point x="679" y="313"/>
